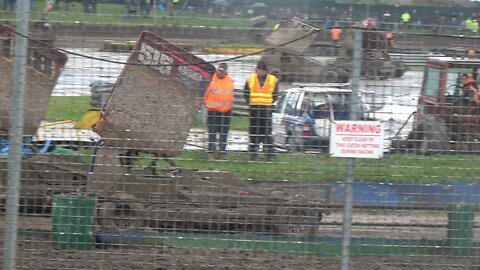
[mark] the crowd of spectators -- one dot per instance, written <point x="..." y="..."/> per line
<point x="89" y="6"/>
<point x="455" y="22"/>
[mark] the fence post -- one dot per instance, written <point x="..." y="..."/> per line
<point x="350" y="166"/>
<point x="460" y="229"/>
<point x="15" y="137"/>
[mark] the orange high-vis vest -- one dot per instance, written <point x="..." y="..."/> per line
<point x="470" y="85"/>
<point x="336" y="32"/>
<point x="219" y="96"/>
<point x="261" y="95"/>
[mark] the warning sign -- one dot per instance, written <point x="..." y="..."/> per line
<point x="356" y="139"/>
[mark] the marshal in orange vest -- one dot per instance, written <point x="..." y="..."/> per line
<point x="219" y="96"/>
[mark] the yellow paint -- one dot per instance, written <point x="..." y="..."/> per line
<point x="88" y="119"/>
<point x="223" y="50"/>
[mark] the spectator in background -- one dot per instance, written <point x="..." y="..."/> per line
<point x="350" y="13"/>
<point x="8" y="5"/>
<point x="335" y="36"/>
<point x="406" y="18"/>
<point x="145" y="7"/>
<point x="90" y="6"/>
<point x="461" y="17"/>
<point x="49" y="6"/>
<point x="328" y="23"/>
<point x="441" y="22"/>
<point x="386" y="19"/>
<point x="468" y="24"/>
<point x="219" y="103"/>
<point x="474" y="26"/>
<point x="170" y="6"/>
<point x="333" y="12"/>
<point x="390" y="40"/>
<point x="130" y="8"/>
<point x="414" y="18"/>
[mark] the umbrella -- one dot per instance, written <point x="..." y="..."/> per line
<point x="223" y="3"/>
<point x="258" y="5"/>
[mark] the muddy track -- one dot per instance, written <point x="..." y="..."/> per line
<point x="39" y="253"/>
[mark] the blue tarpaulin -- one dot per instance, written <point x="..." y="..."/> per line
<point x="409" y="194"/>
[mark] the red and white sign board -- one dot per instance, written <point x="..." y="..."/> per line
<point x="356" y="139"/>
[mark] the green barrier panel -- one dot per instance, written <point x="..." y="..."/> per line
<point x="460" y="230"/>
<point x="65" y="151"/>
<point x="73" y="217"/>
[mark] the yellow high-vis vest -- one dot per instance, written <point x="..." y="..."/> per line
<point x="261" y="95"/>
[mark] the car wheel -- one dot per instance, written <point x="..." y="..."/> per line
<point x="292" y="147"/>
<point x="431" y="136"/>
<point x="257" y="38"/>
<point x="400" y="69"/>
<point x="297" y="221"/>
<point x="121" y="213"/>
<point x="331" y="77"/>
<point x="371" y="74"/>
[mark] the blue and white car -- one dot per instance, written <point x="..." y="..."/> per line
<point x="304" y="115"/>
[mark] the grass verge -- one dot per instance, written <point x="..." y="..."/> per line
<point x="400" y="168"/>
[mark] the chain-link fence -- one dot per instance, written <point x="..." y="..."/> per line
<point x="137" y="153"/>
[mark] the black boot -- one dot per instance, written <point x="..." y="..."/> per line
<point x="271" y="158"/>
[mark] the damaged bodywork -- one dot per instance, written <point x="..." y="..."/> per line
<point x="146" y="121"/>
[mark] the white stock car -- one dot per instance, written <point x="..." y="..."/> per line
<point x="304" y="115"/>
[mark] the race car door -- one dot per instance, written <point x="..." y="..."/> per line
<point x="284" y="106"/>
<point x="278" y="133"/>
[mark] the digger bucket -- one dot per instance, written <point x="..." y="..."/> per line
<point x="293" y="36"/>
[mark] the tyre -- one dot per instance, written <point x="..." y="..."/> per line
<point x="257" y="38"/>
<point x="121" y="213"/>
<point x="431" y="136"/>
<point x="292" y="146"/>
<point x="331" y="77"/>
<point x="297" y="221"/>
<point x="400" y="69"/>
<point x="371" y="74"/>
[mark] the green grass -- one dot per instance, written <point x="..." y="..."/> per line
<point x="404" y="168"/>
<point x="306" y="167"/>
<point x="72" y="108"/>
<point x="319" y="167"/>
<point x="67" y="108"/>
<point x="113" y="14"/>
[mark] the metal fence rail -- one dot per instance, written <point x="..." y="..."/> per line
<point x="413" y="59"/>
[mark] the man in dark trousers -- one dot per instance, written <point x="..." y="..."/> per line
<point x="219" y="102"/>
<point x="9" y="5"/>
<point x="260" y="92"/>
